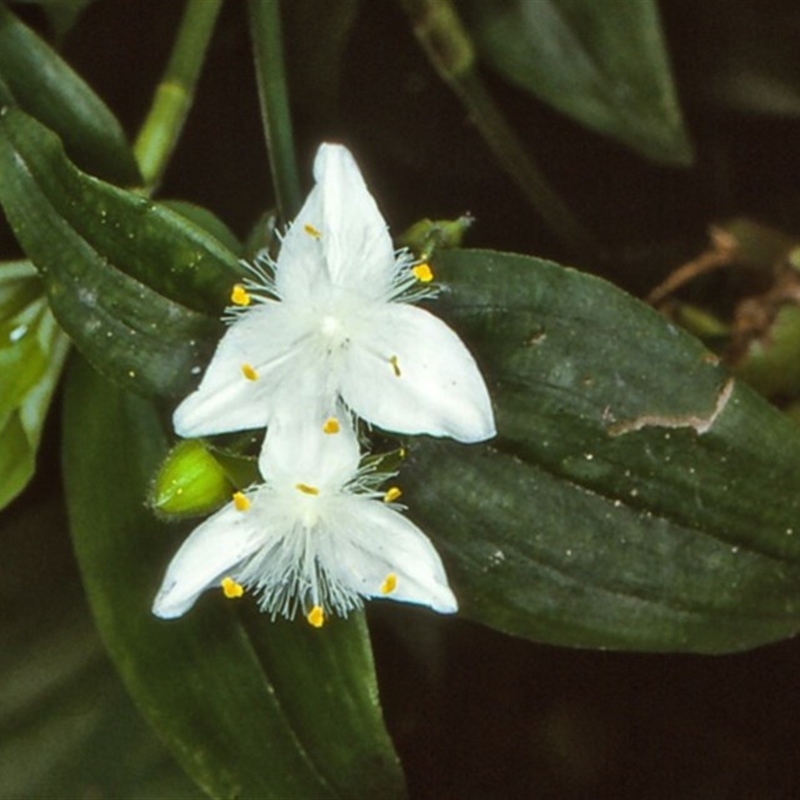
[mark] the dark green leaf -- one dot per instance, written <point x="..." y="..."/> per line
<point x="44" y="85"/>
<point x="32" y="352"/>
<point x="129" y="280"/>
<point x="635" y="496"/>
<point x="604" y="64"/>
<point x="68" y="728"/>
<point x="290" y="713"/>
<point x="206" y="220"/>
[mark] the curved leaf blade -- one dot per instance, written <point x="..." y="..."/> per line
<point x="604" y="64"/>
<point x="130" y="281"/>
<point x="281" y="714"/>
<point x="32" y="353"/>
<point x="44" y="85"/>
<point x="635" y="497"/>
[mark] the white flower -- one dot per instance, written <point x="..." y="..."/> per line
<point x="329" y="320"/>
<point x="314" y="537"/>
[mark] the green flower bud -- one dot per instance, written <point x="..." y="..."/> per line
<point x="191" y="482"/>
<point x="425" y="236"/>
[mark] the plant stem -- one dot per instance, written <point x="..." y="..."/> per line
<point x="265" y="28"/>
<point x="173" y="97"/>
<point x="449" y="48"/>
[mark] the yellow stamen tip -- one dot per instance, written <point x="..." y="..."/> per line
<point x="240" y="296"/>
<point x="316" y="617"/>
<point x="423" y="273"/>
<point x="306" y="489"/>
<point x="389" y="584"/>
<point x="231" y="589"/>
<point x="240" y="502"/>
<point x="249" y="372"/>
<point x="331" y="425"/>
<point x="395" y="366"/>
<point x="392" y="494"/>
<point x="312" y="231"/>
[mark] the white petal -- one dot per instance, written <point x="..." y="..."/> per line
<point x="371" y="541"/>
<point x="212" y="551"/>
<point x="358" y="248"/>
<point x="266" y="339"/>
<point x="414" y="375"/>
<point x="298" y="450"/>
<point x="301" y="270"/>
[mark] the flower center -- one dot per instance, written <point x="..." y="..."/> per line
<point x="307" y="505"/>
<point x="331" y="325"/>
<point x="334" y="332"/>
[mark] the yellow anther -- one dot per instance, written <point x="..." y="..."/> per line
<point x="240" y="501"/>
<point x="392" y="494"/>
<point x="316" y="617"/>
<point x="395" y="366"/>
<point x="312" y="231"/>
<point x="249" y="372"/>
<point x="231" y="589"/>
<point x="331" y="425"/>
<point x="402" y="452"/>
<point x="240" y="296"/>
<point x="306" y="489"/>
<point x="423" y="273"/>
<point x="389" y="584"/>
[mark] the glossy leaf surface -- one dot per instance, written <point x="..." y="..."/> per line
<point x="127" y="279"/>
<point x="635" y="496"/>
<point x="280" y="711"/>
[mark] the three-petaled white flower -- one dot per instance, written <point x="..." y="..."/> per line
<point x="315" y="537"/>
<point x="330" y="320"/>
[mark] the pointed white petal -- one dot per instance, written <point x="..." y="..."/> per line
<point x="369" y="542"/>
<point x="246" y="375"/>
<point x="212" y="551"/>
<point x="298" y="449"/>
<point x="301" y="271"/>
<point x="412" y="374"/>
<point x="358" y="248"/>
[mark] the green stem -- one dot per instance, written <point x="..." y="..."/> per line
<point x="174" y="95"/>
<point x="449" y="48"/>
<point x="265" y="27"/>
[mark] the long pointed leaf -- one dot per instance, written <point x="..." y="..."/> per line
<point x="604" y="64"/>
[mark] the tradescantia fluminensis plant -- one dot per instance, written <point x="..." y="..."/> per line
<point x="330" y="415"/>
